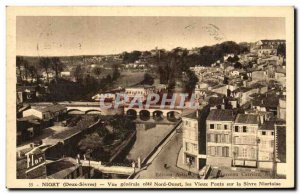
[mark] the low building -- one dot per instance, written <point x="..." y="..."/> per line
<point x="50" y="113"/>
<point x="245" y="142"/>
<point x="141" y="92"/>
<point x="28" y="127"/>
<point x="26" y="93"/>
<point x="244" y="93"/>
<point x="259" y="75"/>
<point x="218" y="137"/>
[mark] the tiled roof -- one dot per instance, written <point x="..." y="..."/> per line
<point x="52" y="108"/>
<point x="247" y="119"/>
<point x="267" y="125"/>
<point x="221" y="115"/>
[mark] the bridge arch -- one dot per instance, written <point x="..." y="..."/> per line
<point x="75" y="112"/>
<point x="93" y="111"/>
<point x="131" y="113"/>
<point x="158" y="115"/>
<point x="144" y="115"/>
<point x="173" y="116"/>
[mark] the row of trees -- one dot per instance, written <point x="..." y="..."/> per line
<point x="26" y="70"/>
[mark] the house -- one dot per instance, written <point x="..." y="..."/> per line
<point x="280" y="76"/>
<point x="258" y="75"/>
<point x="243" y="94"/>
<point x="245" y="141"/>
<point x="54" y="112"/>
<point x="140" y="92"/>
<point x="28" y="127"/>
<point x="281" y="108"/>
<point x="26" y="93"/>
<point x="218" y="137"/>
<point x="31" y="163"/>
<point x="265" y="102"/>
<point x="274" y="43"/>
<point x="193" y="152"/>
<point x="65" y="74"/>
<point x="266" y="145"/>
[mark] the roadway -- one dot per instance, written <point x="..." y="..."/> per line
<point x="168" y="156"/>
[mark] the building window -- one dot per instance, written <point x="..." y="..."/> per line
<point x="219" y="151"/>
<point x="263" y="133"/>
<point x="244" y="129"/>
<point x="211" y="126"/>
<point x="218" y="126"/>
<point x="272" y="143"/>
<point x="208" y="150"/>
<point x="225" y="127"/>
<point x="272" y="133"/>
<point x="208" y="138"/>
<point x="236" y="128"/>
<point x="226" y="137"/>
<point x="212" y="150"/>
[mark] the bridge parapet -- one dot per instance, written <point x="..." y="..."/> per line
<point x="125" y="170"/>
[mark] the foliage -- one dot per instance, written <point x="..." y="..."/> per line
<point x="191" y="81"/>
<point x="78" y="73"/>
<point x="97" y="71"/>
<point x="281" y="50"/>
<point x="238" y="65"/>
<point x="57" y="66"/>
<point x="116" y="74"/>
<point x="131" y="57"/>
<point x="148" y="79"/>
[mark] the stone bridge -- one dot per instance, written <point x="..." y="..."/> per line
<point x="75" y="107"/>
<point x="155" y="112"/>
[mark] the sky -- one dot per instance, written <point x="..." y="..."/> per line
<point x="83" y="35"/>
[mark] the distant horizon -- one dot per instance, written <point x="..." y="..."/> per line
<point x="110" y="35"/>
<point x="140" y="50"/>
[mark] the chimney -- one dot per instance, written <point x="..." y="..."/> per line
<point x="197" y="113"/>
<point x="262" y="120"/>
<point x="31" y="145"/>
<point x="19" y="154"/>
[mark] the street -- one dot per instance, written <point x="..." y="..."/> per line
<point x="164" y="165"/>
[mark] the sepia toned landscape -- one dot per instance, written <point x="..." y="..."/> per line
<point x="233" y="70"/>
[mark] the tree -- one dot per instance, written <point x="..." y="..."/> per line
<point x="148" y="79"/>
<point x="116" y="74"/>
<point x="33" y="72"/>
<point x="97" y="71"/>
<point x="238" y="65"/>
<point x="281" y="50"/>
<point x="131" y="57"/>
<point x="233" y="59"/>
<point x="92" y="142"/>
<point x="45" y="63"/>
<point x="57" y="66"/>
<point x="78" y="73"/>
<point x="19" y="64"/>
<point x="191" y="82"/>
